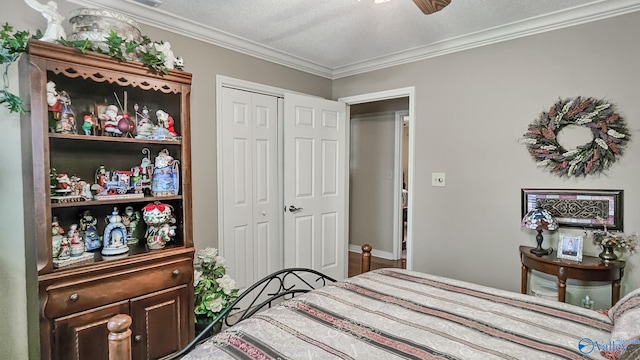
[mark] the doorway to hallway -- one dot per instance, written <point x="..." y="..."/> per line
<point x="378" y="176"/>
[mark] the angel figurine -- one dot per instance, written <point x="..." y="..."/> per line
<point x="169" y="58"/>
<point x="54" y="31"/>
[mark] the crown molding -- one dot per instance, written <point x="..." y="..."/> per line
<point x="561" y="19"/>
<point x="163" y="20"/>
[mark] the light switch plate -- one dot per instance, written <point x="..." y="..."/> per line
<point x="438" y="179"/>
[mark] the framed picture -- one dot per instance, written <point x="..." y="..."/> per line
<point x="570" y="247"/>
<point x="578" y="208"/>
<point x="100" y="108"/>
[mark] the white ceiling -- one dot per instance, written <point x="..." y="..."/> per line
<point x="337" y="38"/>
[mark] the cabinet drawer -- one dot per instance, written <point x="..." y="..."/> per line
<point x="67" y="297"/>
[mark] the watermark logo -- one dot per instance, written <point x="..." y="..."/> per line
<point x="587" y="345"/>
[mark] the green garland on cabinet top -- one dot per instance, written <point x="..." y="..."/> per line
<point x="13" y="43"/>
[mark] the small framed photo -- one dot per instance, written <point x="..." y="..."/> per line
<point x="570" y="247"/>
<point x="100" y="108"/>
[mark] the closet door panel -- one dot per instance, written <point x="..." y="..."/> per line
<point x="251" y="240"/>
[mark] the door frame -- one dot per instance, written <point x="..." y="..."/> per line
<point x="398" y="224"/>
<point x="226" y="81"/>
<point x="387" y="95"/>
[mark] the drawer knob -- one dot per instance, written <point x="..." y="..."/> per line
<point x="137" y="338"/>
<point x="74" y="297"/>
<point x="176" y="272"/>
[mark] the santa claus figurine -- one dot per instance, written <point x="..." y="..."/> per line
<point x="111" y="119"/>
<point x="53" y="98"/>
<point x="165" y="120"/>
<point x="63" y="184"/>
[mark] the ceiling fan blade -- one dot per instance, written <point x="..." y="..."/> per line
<point x="431" y="6"/>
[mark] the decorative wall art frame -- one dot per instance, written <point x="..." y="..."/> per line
<point x="578" y="208"/>
<point x="610" y="137"/>
<point x="570" y="247"/>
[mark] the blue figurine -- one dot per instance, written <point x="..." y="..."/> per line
<point x="89" y="231"/>
<point x="115" y="235"/>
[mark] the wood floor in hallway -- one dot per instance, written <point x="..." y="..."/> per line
<point x="355" y="262"/>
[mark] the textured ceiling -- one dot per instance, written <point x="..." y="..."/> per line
<point x="336" y="38"/>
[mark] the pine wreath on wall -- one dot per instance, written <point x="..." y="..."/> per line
<point x="610" y="137"/>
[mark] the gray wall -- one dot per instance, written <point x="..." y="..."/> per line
<point x="371" y="194"/>
<point x="471" y="109"/>
<point x="204" y="61"/>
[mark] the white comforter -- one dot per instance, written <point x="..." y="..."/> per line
<point x="400" y="314"/>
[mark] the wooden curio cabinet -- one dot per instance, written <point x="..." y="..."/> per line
<point x="154" y="286"/>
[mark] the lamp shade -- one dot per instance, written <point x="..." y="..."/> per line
<point x="539" y="219"/>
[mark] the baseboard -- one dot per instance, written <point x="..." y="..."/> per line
<point x="377" y="253"/>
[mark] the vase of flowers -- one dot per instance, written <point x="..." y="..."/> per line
<point x="612" y="241"/>
<point x="214" y="289"/>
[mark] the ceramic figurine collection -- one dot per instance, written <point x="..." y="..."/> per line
<point x="78" y="243"/>
<point x="115" y="231"/>
<point x="108" y="120"/>
<point x="123" y="227"/>
<point x="68" y="247"/>
<point x="161" y="178"/>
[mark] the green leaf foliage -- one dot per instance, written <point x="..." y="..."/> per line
<point x="12" y="102"/>
<point x="154" y="59"/>
<point x="130" y="47"/>
<point x="115" y="44"/>
<point x="82" y="45"/>
<point x="13" y="43"/>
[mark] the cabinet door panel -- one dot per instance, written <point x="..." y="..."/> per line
<point x="159" y="323"/>
<point x="83" y="336"/>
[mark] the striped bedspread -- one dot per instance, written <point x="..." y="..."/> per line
<point x="400" y="314"/>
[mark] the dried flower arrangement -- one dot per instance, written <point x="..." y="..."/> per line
<point x="610" y="136"/>
<point x="616" y="240"/>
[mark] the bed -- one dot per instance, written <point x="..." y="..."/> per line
<point x="402" y="314"/>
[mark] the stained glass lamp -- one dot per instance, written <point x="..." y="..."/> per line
<point x="539" y="219"/>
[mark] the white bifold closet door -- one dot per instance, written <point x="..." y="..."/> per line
<point x="252" y="244"/>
